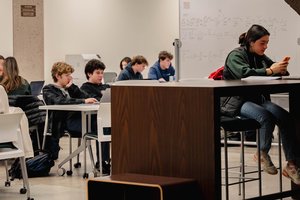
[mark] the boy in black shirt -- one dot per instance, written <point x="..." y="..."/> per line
<point x="94" y="70"/>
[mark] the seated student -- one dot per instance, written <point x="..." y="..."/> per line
<point x="94" y="70"/>
<point x="62" y="92"/>
<point x="13" y="83"/>
<point x="1" y="67"/>
<point x="162" y="69"/>
<point x="250" y="59"/>
<point x="124" y="62"/>
<point x="134" y="69"/>
<point x="93" y="87"/>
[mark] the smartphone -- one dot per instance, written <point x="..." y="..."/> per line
<point x="286" y="59"/>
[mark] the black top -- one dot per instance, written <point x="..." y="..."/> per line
<point x="94" y="90"/>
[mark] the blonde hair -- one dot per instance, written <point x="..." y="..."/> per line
<point x="60" y="68"/>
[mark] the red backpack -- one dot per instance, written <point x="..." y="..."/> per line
<point x="218" y="74"/>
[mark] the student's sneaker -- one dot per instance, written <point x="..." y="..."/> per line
<point x="292" y="172"/>
<point x="268" y="165"/>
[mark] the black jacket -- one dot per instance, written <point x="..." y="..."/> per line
<point x="54" y="96"/>
<point x="30" y="105"/>
<point x="94" y="90"/>
<point x="241" y="63"/>
<point x="128" y="74"/>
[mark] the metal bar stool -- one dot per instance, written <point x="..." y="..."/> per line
<point x="241" y="125"/>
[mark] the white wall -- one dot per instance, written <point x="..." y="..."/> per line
<point x="6" y="33"/>
<point x="111" y="28"/>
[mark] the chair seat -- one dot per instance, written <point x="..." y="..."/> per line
<point x="239" y="124"/>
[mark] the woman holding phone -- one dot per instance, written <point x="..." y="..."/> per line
<point x="250" y="60"/>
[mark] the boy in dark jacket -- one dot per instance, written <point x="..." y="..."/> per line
<point x="134" y="69"/>
<point x="61" y="92"/>
<point x="94" y="70"/>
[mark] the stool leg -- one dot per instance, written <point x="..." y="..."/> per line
<point x="70" y="151"/>
<point x="242" y="175"/>
<point x="226" y="165"/>
<point x="280" y="161"/>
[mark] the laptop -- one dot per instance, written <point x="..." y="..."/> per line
<point x="36" y="87"/>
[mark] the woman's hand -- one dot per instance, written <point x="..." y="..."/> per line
<point x="279" y="67"/>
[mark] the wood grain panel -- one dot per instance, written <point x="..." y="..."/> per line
<point x="162" y="131"/>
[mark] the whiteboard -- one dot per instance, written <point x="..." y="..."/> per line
<point x="209" y="30"/>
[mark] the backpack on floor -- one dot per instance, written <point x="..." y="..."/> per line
<point x="37" y="166"/>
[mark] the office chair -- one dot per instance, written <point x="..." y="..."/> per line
<point x="11" y="144"/>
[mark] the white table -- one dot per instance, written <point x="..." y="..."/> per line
<point x="86" y="111"/>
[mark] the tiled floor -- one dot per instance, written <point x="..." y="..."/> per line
<point x="73" y="187"/>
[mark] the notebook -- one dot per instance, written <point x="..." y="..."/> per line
<point x="36" y="87"/>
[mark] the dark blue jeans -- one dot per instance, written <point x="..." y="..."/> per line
<point x="268" y="115"/>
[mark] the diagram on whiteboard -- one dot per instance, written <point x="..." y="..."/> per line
<point x="209" y="30"/>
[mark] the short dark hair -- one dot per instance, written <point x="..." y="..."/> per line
<point x="139" y="60"/>
<point x="93" y="65"/>
<point x="1" y="57"/>
<point x="164" y="54"/>
<point x="254" y="33"/>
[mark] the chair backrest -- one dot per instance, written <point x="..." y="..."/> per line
<point x="4" y="106"/>
<point x="105" y="96"/>
<point x="103" y="120"/>
<point x="36" y="87"/>
<point x="9" y="127"/>
<point x="109" y="77"/>
<point x="104" y="114"/>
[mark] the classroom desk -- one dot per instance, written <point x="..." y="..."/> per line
<point x="86" y="111"/>
<point x="173" y="129"/>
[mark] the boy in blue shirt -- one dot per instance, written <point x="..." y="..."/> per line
<point x="162" y="69"/>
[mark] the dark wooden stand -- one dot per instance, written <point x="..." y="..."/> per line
<point x="138" y="186"/>
<point x="173" y="129"/>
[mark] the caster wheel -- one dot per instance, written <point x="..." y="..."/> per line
<point x="23" y="191"/>
<point x="7" y="183"/>
<point x="69" y="173"/>
<point x="85" y="175"/>
<point x="61" y="171"/>
<point x="30" y="198"/>
<point x="77" y="165"/>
